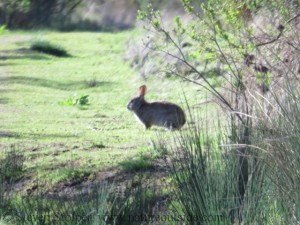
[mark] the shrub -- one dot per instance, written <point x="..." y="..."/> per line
<point x="206" y="167"/>
<point x="256" y="58"/>
<point x="49" y="48"/>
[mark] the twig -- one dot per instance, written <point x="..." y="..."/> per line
<point x="183" y="59"/>
<point x="281" y="29"/>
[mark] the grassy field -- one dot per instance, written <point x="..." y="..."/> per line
<point x="63" y="142"/>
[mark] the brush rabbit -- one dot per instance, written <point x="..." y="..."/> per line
<point x="164" y="114"/>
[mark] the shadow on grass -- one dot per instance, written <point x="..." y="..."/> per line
<point x="22" y="53"/>
<point x="3" y="63"/>
<point x="7" y="134"/>
<point x="43" y="135"/>
<point x="3" y="101"/>
<point x="75" y="85"/>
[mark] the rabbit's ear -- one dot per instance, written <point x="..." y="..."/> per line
<point x="143" y="89"/>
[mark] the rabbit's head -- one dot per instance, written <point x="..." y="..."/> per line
<point x="136" y="103"/>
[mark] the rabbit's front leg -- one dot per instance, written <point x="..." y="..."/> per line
<point x="147" y="126"/>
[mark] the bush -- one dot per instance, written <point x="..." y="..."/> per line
<point x="206" y="179"/>
<point x="252" y="42"/>
<point x="49" y="48"/>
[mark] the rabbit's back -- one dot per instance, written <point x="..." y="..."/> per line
<point x="163" y="114"/>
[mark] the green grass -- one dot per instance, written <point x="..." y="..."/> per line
<point x="137" y="164"/>
<point x="33" y="84"/>
<point x="11" y="165"/>
<point x="95" y="136"/>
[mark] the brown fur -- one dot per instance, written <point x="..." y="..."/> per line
<point x="164" y="114"/>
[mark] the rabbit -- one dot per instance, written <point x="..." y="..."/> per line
<point x="163" y="114"/>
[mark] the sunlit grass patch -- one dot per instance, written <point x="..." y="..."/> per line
<point x="95" y="130"/>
